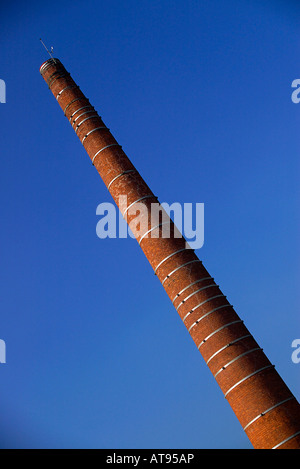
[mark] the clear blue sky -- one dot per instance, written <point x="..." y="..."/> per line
<point x="199" y="95"/>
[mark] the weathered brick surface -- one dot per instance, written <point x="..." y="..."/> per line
<point x="248" y="380"/>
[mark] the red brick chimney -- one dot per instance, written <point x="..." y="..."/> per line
<point x="263" y="404"/>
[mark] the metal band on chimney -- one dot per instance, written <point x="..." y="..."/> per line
<point x="207" y="314"/>
<point x="268" y="410"/>
<point x="180" y="267"/>
<point x="56" y="78"/>
<point x="54" y="74"/>
<point x="190" y="285"/>
<point x="91" y="131"/>
<point x="64" y="89"/>
<point x="48" y="64"/>
<point x="247" y="377"/>
<point x="194" y="293"/>
<point x="149" y="196"/>
<point x="168" y="257"/>
<point x="88" y="106"/>
<point x="121" y="174"/>
<point x="104" y="148"/>
<point x="83" y="114"/>
<point x="152" y="229"/>
<point x="73" y="101"/>
<point x="80" y="109"/>
<point x="228" y="345"/>
<point x="84" y="120"/>
<point x="218" y="330"/>
<point x="286" y="440"/>
<point x="237" y="358"/>
<point x="200" y="304"/>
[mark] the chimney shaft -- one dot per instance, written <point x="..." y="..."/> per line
<point x="263" y="404"/>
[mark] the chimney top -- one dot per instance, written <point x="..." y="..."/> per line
<point x="48" y="63"/>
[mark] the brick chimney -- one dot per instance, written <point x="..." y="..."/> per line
<point x="263" y="404"/>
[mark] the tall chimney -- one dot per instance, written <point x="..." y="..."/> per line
<point x="263" y="404"/>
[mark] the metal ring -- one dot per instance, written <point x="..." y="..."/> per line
<point x="80" y="109"/>
<point x="228" y="345"/>
<point x="121" y="174"/>
<point x="286" y="440"/>
<point x="138" y="200"/>
<point x="247" y="377"/>
<point x="236" y="358"/>
<point x="93" y="130"/>
<point x="57" y="72"/>
<point x="71" y="102"/>
<point x="157" y="226"/>
<point x="194" y="293"/>
<point x="84" y="120"/>
<point x="268" y="410"/>
<point x="168" y="257"/>
<point x="207" y="314"/>
<point x="218" y="330"/>
<point x="104" y="148"/>
<point x="82" y="114"/>
<point x="64" y="89"/>
<point x="200" y="304"/>
<point x="183" y="265"/>
<point x="45" y="66"/>
<point x="48" y="63"/>
<point x="190" y="285"/>
<point x="56" y="78"/>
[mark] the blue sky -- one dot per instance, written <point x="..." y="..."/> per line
<point x="199" y="96"/>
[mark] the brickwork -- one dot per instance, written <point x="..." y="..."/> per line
<point x="265" y="407"/>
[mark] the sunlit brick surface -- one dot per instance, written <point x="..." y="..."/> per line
<point x="260" y="399"/>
